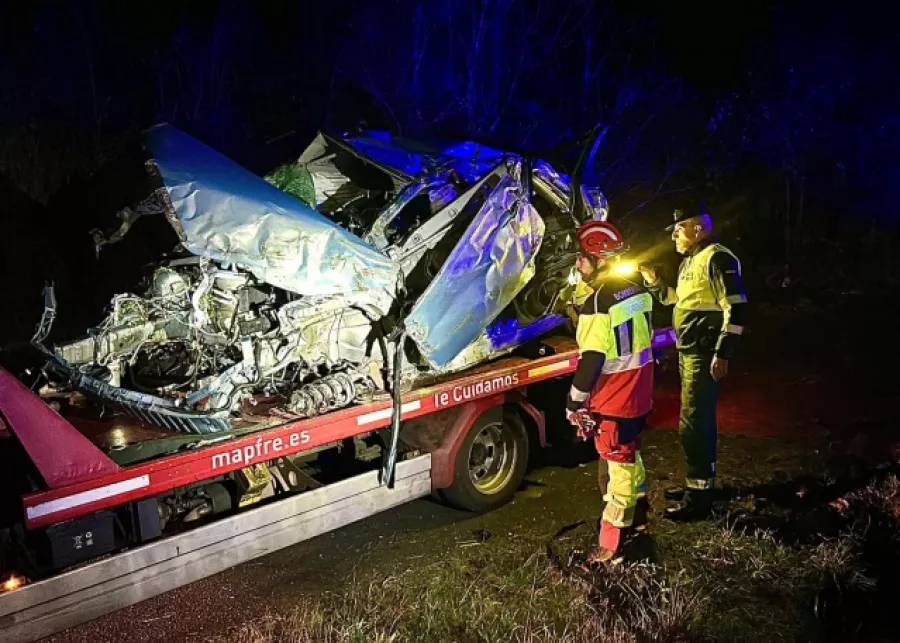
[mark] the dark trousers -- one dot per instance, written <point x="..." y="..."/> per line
<point x="697" y="424"/>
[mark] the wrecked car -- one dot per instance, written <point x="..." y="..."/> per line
<point x="311" y="285"/>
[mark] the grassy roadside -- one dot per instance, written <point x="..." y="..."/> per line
<point x="801" y="550"/>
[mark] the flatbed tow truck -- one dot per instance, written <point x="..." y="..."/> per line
<point x="99" y="529"/>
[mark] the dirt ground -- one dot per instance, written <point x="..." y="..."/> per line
<point x="807" y="427"/>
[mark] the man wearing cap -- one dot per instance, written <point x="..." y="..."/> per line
<point x="709" y="318"/>
<point x="611" y="393"/>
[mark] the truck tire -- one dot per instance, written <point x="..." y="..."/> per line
<point x="490" y="463"/>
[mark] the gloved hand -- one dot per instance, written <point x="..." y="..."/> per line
<point x="649" y="274"/>
<point x="583" y="422"/>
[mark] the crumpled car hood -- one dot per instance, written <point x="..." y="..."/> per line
<point x="225" y="212"/>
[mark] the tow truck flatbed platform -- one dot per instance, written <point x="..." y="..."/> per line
<point x="443" y="425"/>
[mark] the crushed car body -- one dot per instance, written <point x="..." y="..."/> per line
<point x="301" y="286"/>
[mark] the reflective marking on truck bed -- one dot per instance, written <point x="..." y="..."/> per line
<point x="385" y="414"/>
<point x="549" y="368"/>
<point x="86" y="497"/>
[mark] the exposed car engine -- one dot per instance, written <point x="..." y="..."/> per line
<point x="211" y="338"/>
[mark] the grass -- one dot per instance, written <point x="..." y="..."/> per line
<point x="634" y="602"/>
<point x="740" y="586"/>
<point x="722" y="580"/>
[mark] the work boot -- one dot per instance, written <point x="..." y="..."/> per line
<point x="641" y="516"/>
<point x="697" y="505"/>
<point x="607" y="549"/>
<point x="600" y="555"/>
<point x="674" y="493"/>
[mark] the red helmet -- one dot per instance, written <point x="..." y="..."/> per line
<point x="600" y="239"/>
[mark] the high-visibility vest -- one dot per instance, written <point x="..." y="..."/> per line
<point x="616" y="321"/>
<point x="694" y="289"/>
<point x="621" y="330"/>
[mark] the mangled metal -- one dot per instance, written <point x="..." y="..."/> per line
<point x="490" y="265"/>
<point x="303" y="294"/>
<point x="227" y="214"/>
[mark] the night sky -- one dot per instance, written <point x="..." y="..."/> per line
<point x="782" y="117"/>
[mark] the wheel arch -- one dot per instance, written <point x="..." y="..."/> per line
<point x="442" y="434"/>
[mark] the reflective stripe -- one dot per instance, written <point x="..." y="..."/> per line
<point x="699" y="484"/>
<point x="549" y="368"/>
<point x="578" y="395"/>
<point x="87" y="497"/>
<point x="627" y="362"/>
<point x="385" y="414"/>
<point x="736" y="299"/>
<point x="734" y="329"/>
<point x="624" y="339"/>
<point x="700" y="306"/>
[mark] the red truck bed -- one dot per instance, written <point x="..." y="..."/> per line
<point x="101" y="483"/>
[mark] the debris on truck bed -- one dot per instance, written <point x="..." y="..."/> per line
<point x="301" y="286"/>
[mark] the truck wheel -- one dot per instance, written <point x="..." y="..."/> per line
<point x="490" y="463"/>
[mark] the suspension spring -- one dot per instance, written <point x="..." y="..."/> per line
<point x="331" y="392"/>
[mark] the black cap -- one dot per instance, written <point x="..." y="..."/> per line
<point x="681" y="215"/>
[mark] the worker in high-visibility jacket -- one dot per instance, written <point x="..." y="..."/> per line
<point x="611" y="393"/>
<point x="709" y="318"/>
